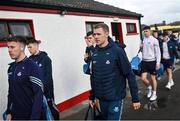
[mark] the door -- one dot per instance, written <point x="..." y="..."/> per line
<point x="117" y="32"/>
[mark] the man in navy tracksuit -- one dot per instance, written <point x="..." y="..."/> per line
<point x="44" y="62"/>
<point x="25" y="95"/>
<point x="110" y="69"/>
<point x="168" y="52"/>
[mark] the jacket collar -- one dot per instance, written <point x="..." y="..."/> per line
<point x="110" y="44"/>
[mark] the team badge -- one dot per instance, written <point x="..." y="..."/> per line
<point x="19" y="74"/>
<point x="107" y="62"/>
<point x="116" y="109"/>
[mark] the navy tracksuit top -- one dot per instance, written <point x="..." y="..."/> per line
<point x="171" y="49"/>
<point x="44" y="62"/>
<point x="25" y="95"/>
<point x="110" y="69"/>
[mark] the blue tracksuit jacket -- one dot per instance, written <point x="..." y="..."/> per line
<point x="171" y="49"/>
<point x="44" y="62"/>
<point x="110" y="69"/>
<point x="25" y="95"/>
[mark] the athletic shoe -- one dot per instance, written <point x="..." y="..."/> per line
<point x="153" y="97"/>
<point x="158" y="78"/>
<point x="149" y="93"/>
<point x="169" y="85"/>
<point x="172" y="83"/>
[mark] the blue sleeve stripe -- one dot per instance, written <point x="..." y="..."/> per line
<point x="36" y="81"/>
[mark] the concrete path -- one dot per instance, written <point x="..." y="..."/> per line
<point x="168" y="104"/>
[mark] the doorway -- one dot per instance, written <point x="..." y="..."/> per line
<point x="117" y="32"/>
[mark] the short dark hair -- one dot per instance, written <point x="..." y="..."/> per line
<point x="103" y="26"/>
<point x="165" y="34"/>
<point x="160" y="34"/>
<point x="155" y="31"/>
<point x="89" y="33"/>
<point x="147" y="27"/>
<point x="32" y="40"/>
<point x="20" y="39"/>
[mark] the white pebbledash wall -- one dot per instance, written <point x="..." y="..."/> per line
<point x="63" y="39"/>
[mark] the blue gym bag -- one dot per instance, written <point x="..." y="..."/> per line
<point x="86" y="68"/>
<point x="160" y="71"/>
<point x="136" y="64"/>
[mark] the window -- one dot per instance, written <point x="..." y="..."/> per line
<point x="131" y="28"/>
<point x="15" y="28"/>
<point x="20" y="29"/>
<point x="3" y="30"/>
<point x="90" y="25"/>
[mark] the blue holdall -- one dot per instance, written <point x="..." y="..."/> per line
<point x="47" y="110"/>
<point x="160" y="71"/>
<point x="136" y="64"/>
<point x="4" y="116"/>
<point x="86" y="68"/>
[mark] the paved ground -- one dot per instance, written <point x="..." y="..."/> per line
<point x="168" y="104"/>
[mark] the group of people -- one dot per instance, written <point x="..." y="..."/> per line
<point x="110" y="68"/>
<point x="30" y="78"/>
<point x="157" y="49"/>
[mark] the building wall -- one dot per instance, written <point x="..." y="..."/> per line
<point x="63" y="39"/>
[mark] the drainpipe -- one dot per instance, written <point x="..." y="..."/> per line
<point x="140" y="29"/>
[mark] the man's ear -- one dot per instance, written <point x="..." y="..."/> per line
<point x="107" y="34"/>
<point x="22" y="47"/>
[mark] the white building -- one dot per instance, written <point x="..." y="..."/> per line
<point x="61" y="26"/>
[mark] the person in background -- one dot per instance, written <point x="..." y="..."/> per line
<point x="110" y="69"/>
<point x="179" y="40"/>
<point x="160" y="36"/>
<point x="89" y="39"/>
<point x="25" y="95"/>
<point x="168" y="52"/>
<point x="44" y="62"/>
<point x="179" y="36"/>
<point x="151" y="57"/>
<point x="172" y="37"/>
<point x="155" y="34"/>
<point x="91" y="45"/>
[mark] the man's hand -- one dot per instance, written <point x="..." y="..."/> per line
<point x="88" y="42"/>
<point x="177" y="61"/>
<point x="141" y="45"/>
<point x="91" y="103"/>
<point x="157" y="66"/>
<point x="136" y="105"/>
<point x="8" y="117"/>
<point x="86" y="56"/>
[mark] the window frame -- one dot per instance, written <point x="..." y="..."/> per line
<point x="134" y="32"/>
<point x="92" y="23"/>
<point x="28" y="21"/>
